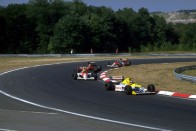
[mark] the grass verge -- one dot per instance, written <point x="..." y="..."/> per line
<point x="190" y="72"/>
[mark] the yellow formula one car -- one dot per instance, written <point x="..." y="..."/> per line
<point x="118" y="83"/>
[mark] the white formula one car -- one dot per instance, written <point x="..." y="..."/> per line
<point x="115" y="84"/>
<point x="119" y="63"/>
<point x="81" y="75"/>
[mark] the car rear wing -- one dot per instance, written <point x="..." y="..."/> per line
<point x="92" y="62"/>
<point x="116" y="77"/>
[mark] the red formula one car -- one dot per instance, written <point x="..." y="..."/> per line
<point x="92" y="66"/>
<point x="119" y="63"/>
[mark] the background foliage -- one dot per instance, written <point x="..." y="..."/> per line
<point x="55" y="26"/>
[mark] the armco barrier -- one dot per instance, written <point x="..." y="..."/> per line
<point x="96" y="54"/>
<point x="178" y="75"/>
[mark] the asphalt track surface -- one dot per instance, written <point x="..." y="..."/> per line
<point x="46" y="98"/>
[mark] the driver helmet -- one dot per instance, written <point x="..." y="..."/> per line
<point x="130" y="80"/>
<point x="89" y="65"/>
<point x="84" y="68"/>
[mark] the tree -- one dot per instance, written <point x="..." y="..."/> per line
<point x="127" y="35"/>
<point x="159" y="29"/>
<point x="18" y="29"/>
<point x="143" y="27"/>
<point x="103" y="27"/>
<point x="3" y="31"/>
<point x="46" y="13"/>
<point x="188" y="37"/>
<point x="56" y="26"/>
<point x="68" y="34"/>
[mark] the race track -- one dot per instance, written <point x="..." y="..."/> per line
<point x="53" y="88"/>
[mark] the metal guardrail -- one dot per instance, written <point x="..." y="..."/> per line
<point x="64" y="55"/>
<point x="96" y="54"/>
<point x="178" y="75"/>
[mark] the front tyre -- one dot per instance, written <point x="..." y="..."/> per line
<point x="95" y="76"/>
<point x="75" y="76"/>
<point x="99" y="68"/>
<point x="120" y="65"/>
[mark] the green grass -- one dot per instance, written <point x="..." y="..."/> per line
<point x="190" y="72"/>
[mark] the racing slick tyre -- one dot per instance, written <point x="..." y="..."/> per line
<point x="120" y="65"/>
<point x="95" y="76"/>
<point x="95" y="70"/>
<point x="122" y="78"/>
<point x="128" y="90"/>
<point x="99" y="68"/>
<point x="151" y="88"/>
<point x="109" y="86"/>
<point x="75" y="76"/>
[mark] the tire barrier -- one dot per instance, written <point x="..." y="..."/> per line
<point x="178" y="73"/>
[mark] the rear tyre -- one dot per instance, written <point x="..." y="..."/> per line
<point x="95" y="76"/>
<point x="120" y="65"/>
<point x="99" y="68"/>
<point x="95" y="70"/>
<point x="109" y="86"/>
<point x="123" y="78"/>
<point x="151" y="88"/>
<point x="128" y="90"/>
<point x="75" y="76"/>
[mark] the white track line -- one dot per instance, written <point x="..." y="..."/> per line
<point x="73" y="113"/>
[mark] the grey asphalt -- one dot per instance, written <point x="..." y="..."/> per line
<point x="19" y="116"/>
<point x="53" y="86"/>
